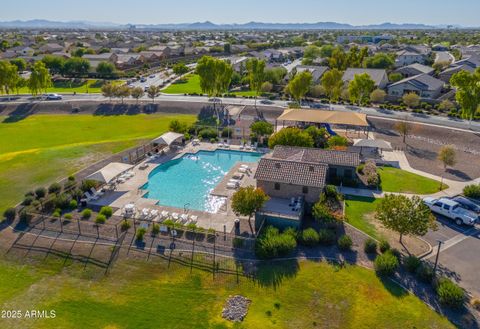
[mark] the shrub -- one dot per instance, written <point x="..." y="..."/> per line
<point x="86" y="213"/>
<point x="425" y="273"/>
<point x="337" y="141"/>
<point x="101" y="219"/>
<point x="322" y="213"/>
<point x="309" y="237"/>
<point x="385" y="264"/>
<point x="360" y="168"/>
<point x="326" y="236"/>
<point x="40" y="192"/>
<point x="10" y="214"/>
<point x="411" y="263"/>
<point x="384" y="246"/>
<point x="370" y="246"/>
<point x="272" y="243"/>
<point x="472" y="191"/>
<point x="371" y="174"/>
<point x="87" y="185"/>
<point x="449" y="293"/>
<point x="125" y="225"/>
<point x="169" y="223"/>
<point x="227" y="132"/>
<point x="155" y="229"/>
<point x="68" y="216"/>
<point x="192" y="226"/>
<point x="106" y="211"/>
<point x="28" y="200"/>
<point x="345" y="242"/>
<point x="63" y="201"/>
<point x="30" y="193"/>
<point x="396" y="253"/>
<point x="140" y="233"/>
<point x="208" y="133"/>
<point x="54" y="188"/>
<point x="73" y="204"/>
<point x="57" y="213"/>
<point x="49" y="204"/>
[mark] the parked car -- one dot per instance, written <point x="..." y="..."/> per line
<point x="451" y="209"/>
<point x="152" y="76"/>
<point x="53" y="97"/>
<point x="468" y="204"/>
<point x="146" y="88"/>
<point x="142" y="79"/>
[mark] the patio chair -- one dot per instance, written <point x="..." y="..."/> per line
<point x="193" y="219"/>
<point x="238" y="176"/>
<point x="145" y="213"/>
<point x="90" y="196"/>
<point x="95" y="192"/>
<point x="243" y="170"/>
<point x="175" y="216"/>
<point x="184" y="218"/>
<point x="232" y="185"/>
<point x="242" y="147"/>
<point x="154" y="213"/>
<point x="165" y="214"/>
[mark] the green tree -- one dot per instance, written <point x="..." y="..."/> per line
<point x="153" y="92"/>
<point x="411" y="100"/>
<point x="180" y="68"/>
<point x="291" y="136"/>
<point x="407" y="216"/>
<point x="360" y="88"/>
<point x="248" y="200"/>
<point x="76" y="67"/>
<point x="122" y="92"/>
<point x="468" y="92"/>
<point x="380" y="61"/>
<point x="256" y="75"/>
<point x="300" y="85"/>
<point x="326" y="51"/>
<point x="447" y="156"/>
<point x="395" y="77"/>
<point x="8" y="77"/>
<point x="54" y="63"/>
<point x="261" y="128"/>
<point x="403" y="128"/>
<point x="378" y="96"/>
<point x="105" y="69"/>
<point x="108" y="90"/>
<point x="137" y="93"/>
<point x="40" y="79"/>
<point x="332" y="83"/>
<point x="311" y="52"/>
<point x="20" y="63"/>
<point x="338" y="60"/>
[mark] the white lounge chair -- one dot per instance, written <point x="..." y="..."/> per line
<point x="232" y="180"/>
<point x="184" y="218"/>
<point x="193" y="219"/>
<point x="154" y="213"/>
<point x="175" y="216"/>
<point x="95" y="192"/>
<point x="238" y="176"/>
<point x="242" y="147"/>
<point x="90" y="196"/>
<point x="243" y="170"/>
<point x="244" y="166"/>
<point x="232" y="185"/>
<point x="165" y="214"/>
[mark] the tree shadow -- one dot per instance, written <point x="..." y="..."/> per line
<point x="21" y="112"/>
<point x="458" y="173"/>
<point x="109" y="109"/>
<point x="272" y="273"/>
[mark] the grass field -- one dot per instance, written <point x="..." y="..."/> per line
<point x="61" y="87"/>
<point x="140" y="294"/>
<point x="356" y="208"/>
<point x="189" y="85"/>
<point x="40" y="149"/>
<point x="397" y="180"/>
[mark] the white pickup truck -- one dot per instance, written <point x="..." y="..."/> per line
<point x="451" y="209"/>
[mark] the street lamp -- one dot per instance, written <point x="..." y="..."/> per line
<point x="436" y="256"/>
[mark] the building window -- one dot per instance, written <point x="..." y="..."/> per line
<point x="277" y="186"/>
<point x="348" y="173"/>
<point x="305" y="190"/>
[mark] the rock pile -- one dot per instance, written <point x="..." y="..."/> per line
<point x="236" y="308"/>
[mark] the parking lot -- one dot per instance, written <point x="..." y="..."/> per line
<point x="459" y="252"/>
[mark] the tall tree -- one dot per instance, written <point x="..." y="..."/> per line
<point x="338" y="60"/>
<point x="40" y="79"/>
<point x="153" y="92"/>
<point x="137" y="93"/>
<point x="76" y="67"/>
<point x="468" y="92"/>
<point x="333" y="83"/>
<point x="407" y="216"/>
<point x="54" y="63"/>
<point x="300" y="85"/>
<point x="180" y="68"/>
<point x="256" y="75"/>
<point x="122" y="92"/>
<point x="291" y="136"/>
<point x="8" y="77"/>
<point x="105" y="69"/>
<point x="411" y="100"/>
<point x="379" y="61"/>
<point x="403" y="128"/>
<point x="20" y="63"/>
<point x="360" y="88"/>
<point x="247" y="201"/>
<point x="108" y="90"/>
<point x="447" y="156"/>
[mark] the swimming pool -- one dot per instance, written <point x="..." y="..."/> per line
<point x="188" y="180"/>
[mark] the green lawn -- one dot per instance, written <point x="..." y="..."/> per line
<point x="43" y="148"/>
<point x="189" y="85"/>
<point x="61" y="87"/>
<point x="397" y="180"/>
<point x="356" y="209"/>
<point x="140" y="294"/>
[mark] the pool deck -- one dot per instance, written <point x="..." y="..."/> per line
<point x="130" y="191"/>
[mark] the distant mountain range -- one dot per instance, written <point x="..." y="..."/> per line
<point x="39" y="23"/>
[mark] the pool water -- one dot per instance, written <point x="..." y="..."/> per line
<point x="186" y="182"/>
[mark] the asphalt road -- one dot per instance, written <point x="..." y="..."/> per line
<point x="459" y="252"/>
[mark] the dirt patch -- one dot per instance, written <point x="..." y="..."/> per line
<point x="411" y="245"/>
<point x="424" y="142"/>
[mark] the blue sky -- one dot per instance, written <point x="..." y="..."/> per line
<point x="357" y="12"/>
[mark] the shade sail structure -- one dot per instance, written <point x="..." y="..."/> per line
<point x="168" y="138"/>
<point x="374" y="143"/>
<point x="109" y="172"/>
<point x="330" y="117"/>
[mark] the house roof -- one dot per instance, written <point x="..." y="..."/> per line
<point x="320" y="116"/>
<point x="314" y="155"/>
<point x="167" y="138"/>
<point x="109" y="172"/>
<point x="457" y="68"/>
<point x="376" y="75"/>
<point x="421" y="82"/>
<point x="291" y="172"/>
<point x="416" y="67"/>
<point x="316" y="71"/>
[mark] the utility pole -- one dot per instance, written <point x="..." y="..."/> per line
<point x="436" y="257"/>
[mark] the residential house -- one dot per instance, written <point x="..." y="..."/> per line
<point x="239" y="64"/>
<point x="50" y="48"/>
<point x="473" y="61"/>
<point x="129" y="60"/>
<point x="423" y="85"/>
<point x="412" y="54"/>
<point x="379" y="76"/>
<point x="316" y="71"/>
<point x="446" y="74"/>
<point x="414" y="69"/>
